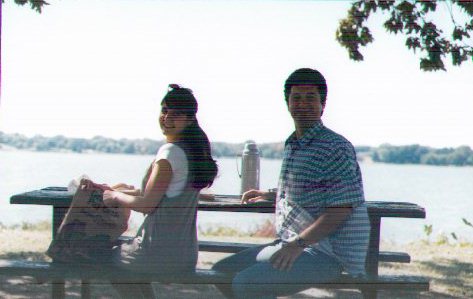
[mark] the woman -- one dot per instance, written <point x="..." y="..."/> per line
<point x="167" y="239"/>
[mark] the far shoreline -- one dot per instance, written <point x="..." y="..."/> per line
<point x="361" y="157"/>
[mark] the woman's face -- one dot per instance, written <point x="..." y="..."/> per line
<point x="173" y="121"/>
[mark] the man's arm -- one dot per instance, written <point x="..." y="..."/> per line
<point x="328" y="222"/>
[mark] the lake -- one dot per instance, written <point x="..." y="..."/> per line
<point x="445" y="192"/>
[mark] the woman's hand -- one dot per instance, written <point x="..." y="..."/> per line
<point x="89" y="185"/>
<point x="284" y="258"/>
<point x="123" y="186"/>
<point x="109" y="198"/>
<point x="253" y="196"/>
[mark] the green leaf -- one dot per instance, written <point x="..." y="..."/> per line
<point x="385" y="4"/>
<point x="34" y="4"/>
<point x="405" y="7"/>
<point x="466" y="5"/>
<point x="365" y="36"/>
<point x="428" y="6"/>
<point x="457" y="33"/>
<point x="428" y="229"/>
<point x="356" y="55"/>
<point x="467" y="222"/>
<point x="456" y="57"/>
<point x="430" y="65"/>
<point x="394" y="24"/>
<point x="413" y="43"/>
<point x="454" y="236"/>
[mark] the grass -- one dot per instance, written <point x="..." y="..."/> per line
<point x="448" y="263"/>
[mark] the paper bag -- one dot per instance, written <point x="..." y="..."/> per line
<point x="89" y="229"/>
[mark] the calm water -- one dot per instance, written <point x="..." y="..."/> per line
<point x="445" y="192"/>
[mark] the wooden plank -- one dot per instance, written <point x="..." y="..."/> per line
<point x="46" y="196"/>
<point x="46" y="271"/>
<point x="395" y="209"/>
<point x="394" y="257"/>
<point x="51" y="271"/>
<point x="60" y="197"/>
<point x="227" y="247"/>
<point x="234" y="247"/>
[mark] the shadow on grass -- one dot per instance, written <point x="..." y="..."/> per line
<point x="25" y="255"/>
<point x="29" y="287"/>
<point x="23" y="286"/>
<point x="455" y="276"/>
<point x="449" y="277"/>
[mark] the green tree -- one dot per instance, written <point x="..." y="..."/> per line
<point x="413" y="19"/>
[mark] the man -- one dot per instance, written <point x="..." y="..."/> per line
<point x="321" y="218"/>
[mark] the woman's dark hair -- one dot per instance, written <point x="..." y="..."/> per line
<point x="193" y="140"/>
<point x="306" y="76"/>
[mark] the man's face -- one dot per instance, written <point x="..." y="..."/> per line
<point x="304" y="104"/>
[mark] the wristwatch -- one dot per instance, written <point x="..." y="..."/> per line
<point x="301" y="242"/>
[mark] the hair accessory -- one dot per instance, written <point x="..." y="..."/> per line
<point x="174" y="86"/>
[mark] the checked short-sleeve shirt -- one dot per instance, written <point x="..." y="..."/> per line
<point x="319" y="171"/>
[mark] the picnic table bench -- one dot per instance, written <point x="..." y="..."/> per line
<point x="60" y="199"/>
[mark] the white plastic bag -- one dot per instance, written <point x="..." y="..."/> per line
<point x="74" y="184"/>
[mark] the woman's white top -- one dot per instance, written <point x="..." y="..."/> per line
<point x="176" y="156"/>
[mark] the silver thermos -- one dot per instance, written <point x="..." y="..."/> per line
<point x="250" y="167"/>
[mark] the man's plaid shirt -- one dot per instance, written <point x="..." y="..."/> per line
<point x="319" y="171"/>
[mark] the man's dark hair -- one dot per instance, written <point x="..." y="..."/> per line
<point x="306" y="76"/>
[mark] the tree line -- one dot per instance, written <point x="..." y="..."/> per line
<point x="386" y="153"/>
<point x="417" y="154"/>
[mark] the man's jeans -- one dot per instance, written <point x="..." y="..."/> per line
<point x="256" y="278"/>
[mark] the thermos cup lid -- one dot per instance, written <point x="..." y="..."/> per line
<point x="250" y="147"/>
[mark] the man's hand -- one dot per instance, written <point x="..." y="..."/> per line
<point x="253" y="196"/>
<point x="284" y="258"/>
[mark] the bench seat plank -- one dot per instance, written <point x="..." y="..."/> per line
<point x="233" y="247"/>
<point x="46" y="271"/>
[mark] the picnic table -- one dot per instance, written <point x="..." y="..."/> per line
<point x="59" y="198"/>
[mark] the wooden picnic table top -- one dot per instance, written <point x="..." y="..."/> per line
<point x="60" y="197"/>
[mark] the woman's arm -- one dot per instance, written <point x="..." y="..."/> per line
<point x="155" y="189"/>
<point x="127" y="189"/>
<point x="134" y="192"/>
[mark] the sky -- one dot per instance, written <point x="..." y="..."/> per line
<point x="88" y="68"/>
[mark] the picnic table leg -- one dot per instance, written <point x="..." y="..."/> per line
<point x="58" y="289"/>
<point x="369" y="293"/>
<point x="58" y="286"/>
<point x="85" y="289"/>
<point x="372" y="259"/>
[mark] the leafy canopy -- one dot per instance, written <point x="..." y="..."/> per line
<point x="413" y="20"/>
